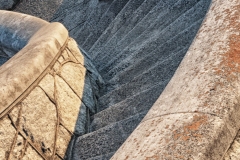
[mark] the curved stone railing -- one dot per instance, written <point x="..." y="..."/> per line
<point x="20" y="72"/>
<point x="197" y="115"/>
<point x="15" y="31"/>
<point x="45" y="90"/>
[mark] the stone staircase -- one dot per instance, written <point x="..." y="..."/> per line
<point x="136" y="46"/>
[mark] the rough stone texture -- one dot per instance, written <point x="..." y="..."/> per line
<point x="94" y="13"/>
<point x="74" y="75"/>
<point x="115" y="30"/>
<point x="174" y="18"/>
<point x="42" y="9"/>
<point x="23" y="69"/>
<point x="31" y="154"/>
<point x="74" y="14"/>
<point x="102" y="157"/>
<point x="47" y="84"/>
<point x="233" y="152"/>
<point x="50" y="114"/>
<point x="175" y="136"/>
<point x="110" y="138"/>
<point x="85" y="60"/>
<point x="126" y="108"/>
<point x="7" y="134"/>
<point x="45" y="98"/>
<point x="6" y="4"/>
<point x="95" y="30"/>
<point x="126" y="10"/>
<point x="38" y="120"/>
<point x="68" y="109"/>
<point x="196" y="116"/>
<point x="136" y="84"/>
<point x="134" y="60"/>
<point x="201" y="98"/>
<point x="62" y="141"/>
<point x="143" y="33"/>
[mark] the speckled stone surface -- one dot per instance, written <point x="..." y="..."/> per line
<point x="42" y="9"/>
<point x="233" y="152"/>
<point x="197" y="115"/>
<point x="46" y="93"/>
<point x="6" y="4"/>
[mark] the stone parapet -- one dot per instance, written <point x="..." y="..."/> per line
<point x="16" y="29"/>
<point x="46" y="91"/>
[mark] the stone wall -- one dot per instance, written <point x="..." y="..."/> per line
<point x="46" y="91"/>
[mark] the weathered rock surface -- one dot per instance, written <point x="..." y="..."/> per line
<point x="233" y="152"/>
<point x="42" y="9"/>
<point x="6" y="4"/>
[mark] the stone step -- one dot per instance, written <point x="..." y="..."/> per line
<point x="138" y="103"/>
<point x="148" y="36"/>
<point x="160" y="73"/>
<point x="117" y="82"/>
<point x="103" y="157"/>
<point x="136" y="69"/>
<point x="75" y="17"/>
<point x="134" y="38"/>
<point x="82" y="32"/>
<point x="96" y="30"/>
<point x="134" y="28"/>
<point x="174" y="33"/>
<point x="128" y="20"/>
<point x="67" y="7"/>
<point x="105" y="140"/>
<point x="135" y="65"/>
<point x="119" y="20"/>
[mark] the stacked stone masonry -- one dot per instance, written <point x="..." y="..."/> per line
<point x="48" y="90"/>
<point x="42" y="124"/>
